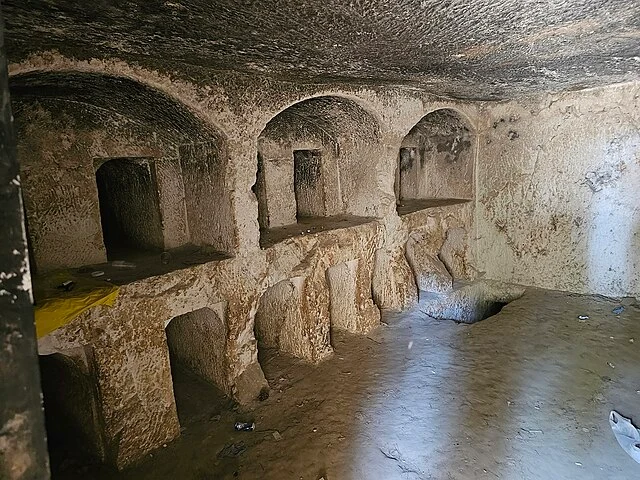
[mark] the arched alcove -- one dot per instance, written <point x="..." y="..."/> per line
<point x="197" y="343"/>
<point x="316" y="159"/>
<point x="435" y="162"/>
<point x="71" y="406"/>
<point x="278" y="319"/>
<point x="70" y="124"/>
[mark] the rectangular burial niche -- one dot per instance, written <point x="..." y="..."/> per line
<point x="70" y="392"/>
<point x="278" y="320"/>
<point x="197" y="342"/>
<point x="129" y="206"/>
<point x="308" y="183"/>
<point x="405" y="186"/>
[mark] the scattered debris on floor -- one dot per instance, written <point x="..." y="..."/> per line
<point x="165" y="258"/>
<point x="530" y="431"/>
<point x="232" y="450"/>
<point x="583" y="317"/>
<point x="245" y="426"/>
<point x="264" y="394"/>
<point x="618" y="310"/>
<point x="66" y="286"/>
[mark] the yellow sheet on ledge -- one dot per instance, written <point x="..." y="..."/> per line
<point x="55" y="308"/>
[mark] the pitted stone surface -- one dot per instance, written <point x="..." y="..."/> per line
<point x="454" y="254"/>
<point x="480" y="49"/>
<point x="430" y="273"/>
<point x="558" y="199"/>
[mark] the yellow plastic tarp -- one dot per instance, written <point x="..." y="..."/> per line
<point x="55" y="307"/>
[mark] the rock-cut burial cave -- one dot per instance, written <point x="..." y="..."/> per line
<point x="320" y="240"/>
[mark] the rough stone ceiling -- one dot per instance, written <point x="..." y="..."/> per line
<point x="469" y="49"/>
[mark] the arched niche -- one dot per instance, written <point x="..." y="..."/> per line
<point x="316" y="159"/>
<point x="71" y="124"/>
<point x="435" y="162"/>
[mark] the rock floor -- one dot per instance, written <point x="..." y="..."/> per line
<point x="522" y="395"/>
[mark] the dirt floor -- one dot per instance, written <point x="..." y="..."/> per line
<point x="522" y="395"/>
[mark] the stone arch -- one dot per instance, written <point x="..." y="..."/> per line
<point x="310" y="161"/>
<point x="364" y="105"/>
<point x="436" y="159"/>
<point x="198" y="339"/>
<point x="69" y="123"/>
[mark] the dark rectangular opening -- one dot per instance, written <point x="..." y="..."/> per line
<point x="196" y="342"/>
<point x="308" y="183"/>
<point x="406" y="186"/>
<point x="129" y="207"/>
<point x="69" y="391"/>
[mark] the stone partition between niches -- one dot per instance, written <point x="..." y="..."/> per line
<point x="341" y="279"/>
<point x="438" y="248"/>
<point x="304" y="306"/>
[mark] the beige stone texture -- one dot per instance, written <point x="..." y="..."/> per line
<point x="558" y="191"/>
<point x="430" y="273"/>
<point x="453" y="254"/>
<point x="437" y="158"/>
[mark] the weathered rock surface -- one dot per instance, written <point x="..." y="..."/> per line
<point x="394" y="287"/>
<point x="454" y="254"/>
<point x="474" y="50"/>
<point x="430" y="273"/>
<point x="201" y="145"/>
<point x="558" y="204"/>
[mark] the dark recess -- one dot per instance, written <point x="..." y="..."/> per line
<point x="129" y="208"/>
<point x="307" y="181"/>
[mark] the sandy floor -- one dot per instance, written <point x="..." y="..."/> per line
<point x="522" y="395"/>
